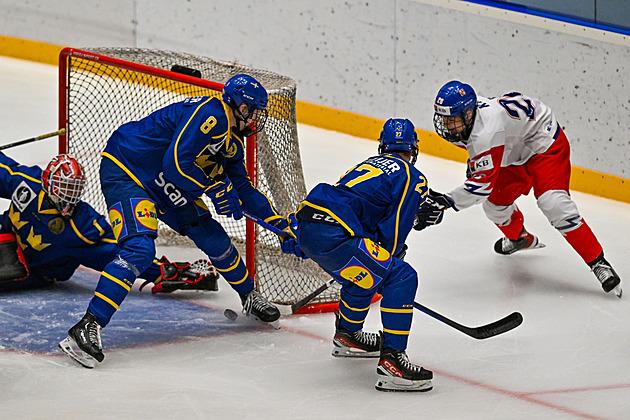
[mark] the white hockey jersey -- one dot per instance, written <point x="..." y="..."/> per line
<point x="507" y="131"/>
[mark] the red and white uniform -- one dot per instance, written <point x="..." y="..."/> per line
<point x="516" y="144"/>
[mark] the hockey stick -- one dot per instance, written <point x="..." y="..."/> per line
<point x="485" y="331"/>
<point x="264" y="224"/>
<point x="32" y="139"/>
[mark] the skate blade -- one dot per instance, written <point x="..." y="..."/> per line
<point x="354" y="353"/>
<point x="395" y="384"/>
<point x="273" y="324"/>
<point x="72" y="350"/>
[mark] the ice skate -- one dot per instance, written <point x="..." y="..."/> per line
<point x="606" y="275"/>
<point x="83" y="343"/>
<point x="398" y="374"/>
<point x="525" y="241"/>
<point x="256" y="305"/>
<point x="354" y="343"/>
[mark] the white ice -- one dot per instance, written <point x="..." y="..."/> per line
<point x="569" y="359"/>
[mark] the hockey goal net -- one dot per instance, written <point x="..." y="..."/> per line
<point x="101" y="89"/>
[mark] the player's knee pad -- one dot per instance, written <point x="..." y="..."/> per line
<point x="560" y="210"/>
<point x="210" y="237"/>
<point x="401" y="281"/>
<point x="499" y="215"/>
<point x="137" y="251"/>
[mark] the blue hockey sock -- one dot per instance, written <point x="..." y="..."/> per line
<point x="113" y="286"/>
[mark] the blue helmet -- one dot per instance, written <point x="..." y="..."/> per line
<point x="399" y="135"/>
<point x="454" y="100"/>
<point x="243" y="88"/>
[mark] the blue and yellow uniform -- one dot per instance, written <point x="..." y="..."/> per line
<point x="53" y="246"/>
<point x="158" y="168"/>
<point x="356" y="231"/>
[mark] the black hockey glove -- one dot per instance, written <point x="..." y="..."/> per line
<point x="469" y="173"/>
<point x="427" y="216"/>
<point x="431" y="212"/>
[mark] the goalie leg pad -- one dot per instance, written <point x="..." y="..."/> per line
<point x="12" y="264"/>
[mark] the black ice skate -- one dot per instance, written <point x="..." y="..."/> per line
<point x="83" y="343"/>
<point x="398" y="374"/>
<point x="525" y="240"/>
<point x="606" y="275"/>
<point x="256" y="305"/>
<point x="354" y="343"/>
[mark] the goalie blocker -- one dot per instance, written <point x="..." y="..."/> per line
<point x="12" y="264"/>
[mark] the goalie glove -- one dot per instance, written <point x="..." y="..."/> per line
<point x="225" y="198"/>
<point x="288" y="242"/>
<point x="431" y="212"/>
<point x="200" y="275"/>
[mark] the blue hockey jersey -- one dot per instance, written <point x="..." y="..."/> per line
<point x="53" y="246"/>
<point x="377" y="199"/>
<point x="179" y="152"/>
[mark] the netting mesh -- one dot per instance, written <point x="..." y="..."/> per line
<point x="100" y="97"/>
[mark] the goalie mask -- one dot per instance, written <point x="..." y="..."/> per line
<point x="399" y="135"/>
<point x="249" y="100"/>
<point x="63" y="181"/>
<point x="455" y="109"/>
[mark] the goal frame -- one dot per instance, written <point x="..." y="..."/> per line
<point x="64" y="106"/>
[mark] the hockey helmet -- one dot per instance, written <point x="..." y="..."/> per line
<point x="243" y="88"/>
<point x="63" y="181"/>
<point x="451" y="119"/>
<point x="399" y="135"/>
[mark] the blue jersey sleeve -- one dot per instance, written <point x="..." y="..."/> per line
<point x="12" y="174"/>
<point x="90" y="226"/>
<point x="252" y="199"/>
<point x="199" y="136"/>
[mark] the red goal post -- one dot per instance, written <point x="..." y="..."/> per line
<point x="101" y="89"/>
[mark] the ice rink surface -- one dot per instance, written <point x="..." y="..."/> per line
<point x="177" y="357"/>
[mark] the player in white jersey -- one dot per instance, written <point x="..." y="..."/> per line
<point x="515" y="144"/>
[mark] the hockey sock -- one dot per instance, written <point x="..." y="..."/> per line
<point x="113" y="286"/>
<point x="351" y="317"/>
<point x="584" y="242"/>
<point x="233" y="270"/>
<point x="397" y="305"/>
<point x="515" y="227"/>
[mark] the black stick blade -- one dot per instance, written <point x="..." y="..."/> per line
<point x="498" y="327"/>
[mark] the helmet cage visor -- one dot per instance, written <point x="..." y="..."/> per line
<point x="63" y="181"/>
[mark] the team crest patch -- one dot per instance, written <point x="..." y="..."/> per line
<point x="117" y="221"/>
<point x="57" y="225"/>
<point x="22" y="196"/>
<point x="380" y="255"/>
<point x="355" y="272"/>
<point x="145" y="215"/>
<point x="231" y="150"/>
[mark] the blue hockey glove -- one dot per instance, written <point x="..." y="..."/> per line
<point x="288" y="242"/>
<point x="225" y="199"/>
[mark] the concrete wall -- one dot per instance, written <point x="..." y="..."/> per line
<point x="377" y="58"/>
